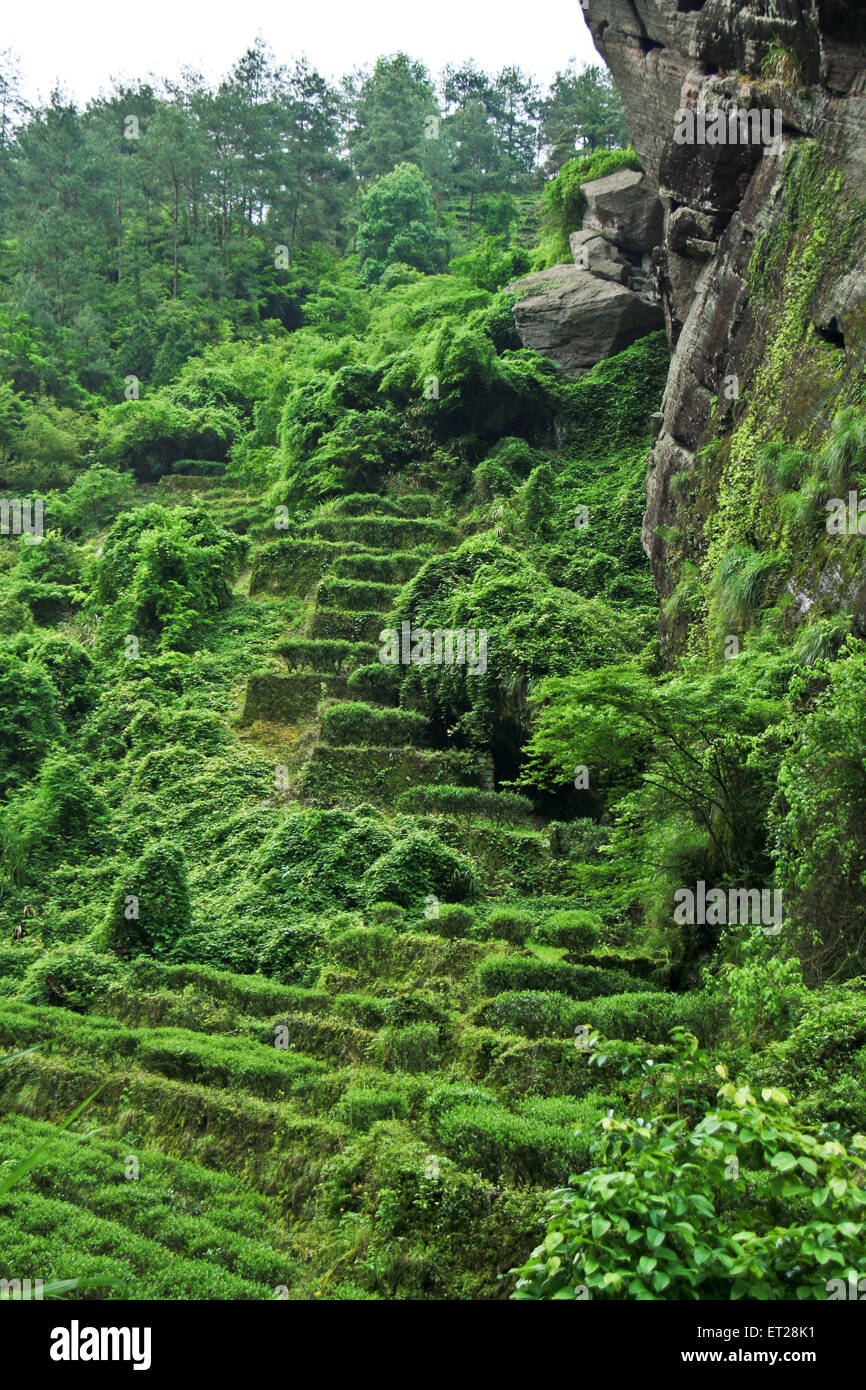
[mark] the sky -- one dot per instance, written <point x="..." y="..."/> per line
<point x="83" y="44"/>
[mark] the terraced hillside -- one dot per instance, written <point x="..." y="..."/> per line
<point x="395" y="1063"/>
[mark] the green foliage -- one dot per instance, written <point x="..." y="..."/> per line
<point x="71" y="977"/>
<point x="818" y="821"/>
<point x="453" y="920"/>
<point x="667" y="1210"/>
<point x="564" y="201"/>
<point x="536" y="1013"/>
<point x="28" y="717"/>
<point x="362" y="1107"/>
<point x="417" y="865"/>
<point x="507" y="924"/>
<point x="150" y="906"/>
<point x="576" y="929"/>
<point x="498" y="974"/>
<point x="317" y="859"/>
<point x="413" y="1048"/>
<point x="491" y="265"/>
<point x="519" y="1147"/>
<point x="398" y="225"/>
<point x="468" y="803"/>
<point x="161" y="572"/>
<point x="359" y="724"/>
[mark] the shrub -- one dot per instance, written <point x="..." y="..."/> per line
<point x="575" y="929"/>
<point x="71" y="671"/>
<point x="375" y="681"/>
<point x="577" y="839"/>
<point x="413" y="1048"/>
<point x="451" y="1097"/>
<point x="28" y="717"/>
<point x="65" y="808"/>
<point x="150" y="908"/>
<point x="162" y="571"/>
<point x="360" y="1108"/>
<point x="395" y="568"/>
<point x="315" y="860"/>
<point x="659" y="1218"/>
<point x="468" y="803"/>
<point x="520" y="1147"/>
<point x="72" y="977"/>
<point x="305" y="654"/>
<point x="651" y="1015"/>
<point x="352" y="723"/>
<point x="533" y="1013"/>
<point x="506" y="924"/>
<point x="453" y="921"/>
<point x="343" y="624"/>
<point x="354" y="594"/>
<point x="498" y="974"/>
<point x="362" y="948"/>
<point x="416" y="867"/>
<point x="385" y="914"/>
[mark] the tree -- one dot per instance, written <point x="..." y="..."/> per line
<point x="470" y="106"/>
<point x="310" y="180"/>
<point x="399" y="224"/>
<point x="390" y="111"/>
<point x="581" y="113"/>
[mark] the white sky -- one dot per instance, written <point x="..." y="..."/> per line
<point x="83" y="44"/>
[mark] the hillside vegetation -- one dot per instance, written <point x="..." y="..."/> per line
<point x="368" y="970"/>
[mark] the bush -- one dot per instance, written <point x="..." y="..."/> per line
<point x="150" y="908"/>
<point x="161" y="572"/>
<point x="506" y="924"/>
<point x="71" y="977"/>
<point x="395" y="568"/>
<point x="575" y="929"/>
<point x="355" y="724"/>
<point x="453" y="921"/>
<point x="65" y="809"/>
<point x="385" y="914"/>
<point x="517" y="1147"/>
<point x="362" y="948"/>
<point x="468" y="803"/>
<point x="651" y="1015"/>
<point x="659" y="1218"/>
<point x="360" y="1108"/>
<point x="28" y="718"/>
<point x="354" y="594"/>
<point x="498" y="974"/>
<point x="376" y="682"/>
<point x="577" y="839"/>
<point x="416" y="867"/>
<point x="533" y="1013"/>
<point x="331" y="656"/>
<point x="452" y="1097"/>
<point x="414" y="1048"/>
<point x="71" y="671"/>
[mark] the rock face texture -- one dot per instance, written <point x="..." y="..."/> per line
<point x="579" y="314"/>
<point x="759" y="258"/>
<point x="620" y="209"/>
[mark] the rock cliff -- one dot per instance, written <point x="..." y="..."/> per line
<point x="759" y="265"/>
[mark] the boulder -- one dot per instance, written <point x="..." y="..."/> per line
<point x="624" y="210"/>
<point x="591" y="252"/>
<point x="577" y="319"/>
